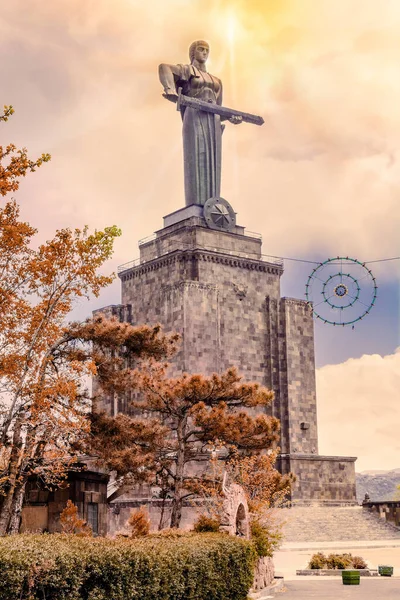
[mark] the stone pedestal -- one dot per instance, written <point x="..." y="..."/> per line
<point x="324" y="480"/>
<point x="222" y="296"/>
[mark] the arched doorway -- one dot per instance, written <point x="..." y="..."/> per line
<point x="241" y="524"/>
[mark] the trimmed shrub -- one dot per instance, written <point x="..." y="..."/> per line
<point x="357" y="562"/>
<point x="336" y="561"/>
<point x="206" y="524"/>
<point x="63" y="567"/>
<point x="171" y="533"/>
<point x="317" y="561"/>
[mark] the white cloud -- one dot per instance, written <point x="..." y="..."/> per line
<point x="359" y="410"/>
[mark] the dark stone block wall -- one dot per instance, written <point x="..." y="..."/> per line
<point x="214" y="299"/>
<point x="297" y="368"/>
<point x="223" y="297"/>
<point x="388" y="510"/>
<point x="328" y="480"/>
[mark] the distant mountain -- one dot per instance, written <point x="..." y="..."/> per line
<point x="379" y="472"/>
<point x="380" y="485"/>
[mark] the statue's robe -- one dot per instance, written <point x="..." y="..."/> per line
<point x="201" y="135"/>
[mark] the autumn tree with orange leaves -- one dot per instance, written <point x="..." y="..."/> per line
<point x="202" y="413"/>
<point x="44" y="412"/>
<point x="14" y="162"/>
<point x="186" y="418"/>
<point x="43" y="405"/>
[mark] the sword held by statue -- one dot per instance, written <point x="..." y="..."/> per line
<point x="215" y="109"/>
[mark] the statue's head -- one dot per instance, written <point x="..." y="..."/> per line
<point x="199" y="51"/>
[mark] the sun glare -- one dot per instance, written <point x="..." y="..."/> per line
<point x="231" y="29"/>
<point x="231" y="34"/>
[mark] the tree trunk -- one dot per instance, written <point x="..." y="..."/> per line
<point x="176" y="513"/>
<point x="16" y="509"/>
<point x="162" y="520"/>
<point x="6" y="508"/>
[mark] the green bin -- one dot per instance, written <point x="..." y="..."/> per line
<point x="385" y="570"/>
<point x="350" y="577"/>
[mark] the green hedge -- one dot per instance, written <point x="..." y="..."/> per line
<point x="190" y="567"/>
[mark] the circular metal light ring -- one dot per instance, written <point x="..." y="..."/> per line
<point x="341" y="275"/>
<point x="341" y="289"/>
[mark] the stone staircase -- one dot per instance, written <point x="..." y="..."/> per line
<point x="334" y="524"/>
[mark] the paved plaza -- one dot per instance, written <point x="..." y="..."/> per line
<point x="378" y="588"/>
<point x="295" y="556"/>
<point x="291" y="557"/>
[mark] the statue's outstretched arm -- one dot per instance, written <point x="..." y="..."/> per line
<point x="168" y="75"/>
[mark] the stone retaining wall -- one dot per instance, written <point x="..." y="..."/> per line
<point x="264" y="573"/>
<point x="388" y="511"/>
<point x="336" y="572"/>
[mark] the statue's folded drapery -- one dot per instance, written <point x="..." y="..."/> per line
<point x="201" y="132"/>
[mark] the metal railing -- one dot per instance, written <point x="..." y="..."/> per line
<point x="253" y="234"/>
<point x="148" y="239"/>
<point x="151" y="238"/>
<point x="129" y="265"/>
<point x="274" y="260"/>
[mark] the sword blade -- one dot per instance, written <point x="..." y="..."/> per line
<point x="218" y="110"/>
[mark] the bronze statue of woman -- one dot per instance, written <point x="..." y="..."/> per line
<point x="201" y="130"/>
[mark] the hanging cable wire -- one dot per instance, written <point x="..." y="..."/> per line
<point x="249" y="254"/>
<point x="382" y="260"/>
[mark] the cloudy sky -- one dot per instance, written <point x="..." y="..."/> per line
<point x="321" y="178"/>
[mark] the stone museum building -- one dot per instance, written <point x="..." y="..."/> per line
<point x="222" y="295"/>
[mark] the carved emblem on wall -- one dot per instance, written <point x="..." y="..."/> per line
<point x="240" y="290"/>
<point x="219" y="214"/>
